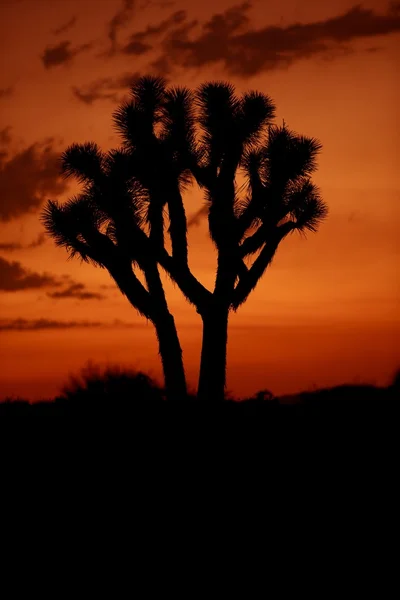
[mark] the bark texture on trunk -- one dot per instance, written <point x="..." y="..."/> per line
<point x="213" y="355"/>
<point x="171" y="357"/>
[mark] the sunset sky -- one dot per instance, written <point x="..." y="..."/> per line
<point x="327" y="310"/>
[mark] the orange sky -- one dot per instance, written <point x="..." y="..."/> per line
<point x="327" y="310"/>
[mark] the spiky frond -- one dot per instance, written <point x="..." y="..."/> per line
<point x="179" y="133"/>
<point x="130" y="124"/>
<point x="148" y="94"/>
<point x="252" y="162"/>
<point x="121" y="193"/>
<point x="218" y="106"/>
<point x="250" y="208"/>
<point x="66" y="224"/>
<point x="289" y="156"/>
<point x="306" y="206"/>
<point x="83" y="161"/>
<point x="178" y="117"/>
<point x="119" y="163"/>
<point x="256" y="111"/>
<point x="136" y="119"/>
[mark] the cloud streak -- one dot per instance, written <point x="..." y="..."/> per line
<point x="13" y="246"/>
<point x="228" y="39"/>
<point x="14" y="277"/>
<point x="28" y="177"/>
<point x="105" y="88"/>
<point x="5" y="136"/>
<point x="62" y="53"/>
<point x="6" y="92"/>
<point x="21" y="324"/>
<point x="118" y="21"/>
<point x="140" y="42"/>
<point x="65" y="26"/>
<point x="76" y="290"/>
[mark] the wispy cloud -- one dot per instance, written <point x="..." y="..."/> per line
<point x="5" y="136"/>
<point x="62" y="53"/>
<point x="28" y="177"/>
<point x="22" y="324"/>
<point x="229" y="39"/>
<point x="76" y="290"/>
<point x="157" y="3"/>
<point x="6" y="92"/>
<point x="141" y="41"/>
<point x="118" y="21"/>
<point x="13" y="246"/>
<point x="65" y="26"/>
<point x="15" y="277"/>
<point x="105" y="88"/>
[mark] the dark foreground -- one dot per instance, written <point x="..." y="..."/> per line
<point x="123" y="429"/>
<point x="134" y="398"/>
<point x="341" y="401"/>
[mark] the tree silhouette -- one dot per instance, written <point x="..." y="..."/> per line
<point x="172" y="136"/>
<point x="103" y="226"/>
<point x="278" y="198"/>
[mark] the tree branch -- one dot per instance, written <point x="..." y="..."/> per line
<point x="119" y="265"/>
<point x="193" y="290"/>
<point x="178" y="228"/>
<point x="254" y="242"/>
<point x="248" y="282"/>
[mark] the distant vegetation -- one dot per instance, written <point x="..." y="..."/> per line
<point x="117" y="392"/>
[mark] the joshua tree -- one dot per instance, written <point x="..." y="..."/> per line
<point x="172" y="136"/>
<point x="248" y="221"/>
<point x="103" y="226"/>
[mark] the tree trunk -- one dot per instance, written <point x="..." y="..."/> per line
<point x="171" y="357"/>
<point x="213" y="355"/>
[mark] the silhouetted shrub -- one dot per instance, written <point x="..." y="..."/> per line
<point x="111" y="385"/>
<point x="131" y="394"/>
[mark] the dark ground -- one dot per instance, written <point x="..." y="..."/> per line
<point x="121" y="394"/>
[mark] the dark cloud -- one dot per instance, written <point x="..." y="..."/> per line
<point x="178" y="45"/>
<point x="139" y="42"/>
<point x="40" y="324"/>
<point x="76" y="290"/>
<point x="108" y="287"/>
<point x="161" y="66"/>
<point x="137" y="48"/>
<point x="229" y="39"/>
<point x="157" y="3"/>
<point x="62" y="53"/>
<point x="5" y="136"/>
<point x="40" y="240"/>
<point x="106" y="88"/>
<point x="13" y="246"/>
<point x="28" y="178"/>
<point x="65" y="26"/>
<point x="119" y="20"/>
<point x="6" y="92"/>
<point x="14" y="277"/>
